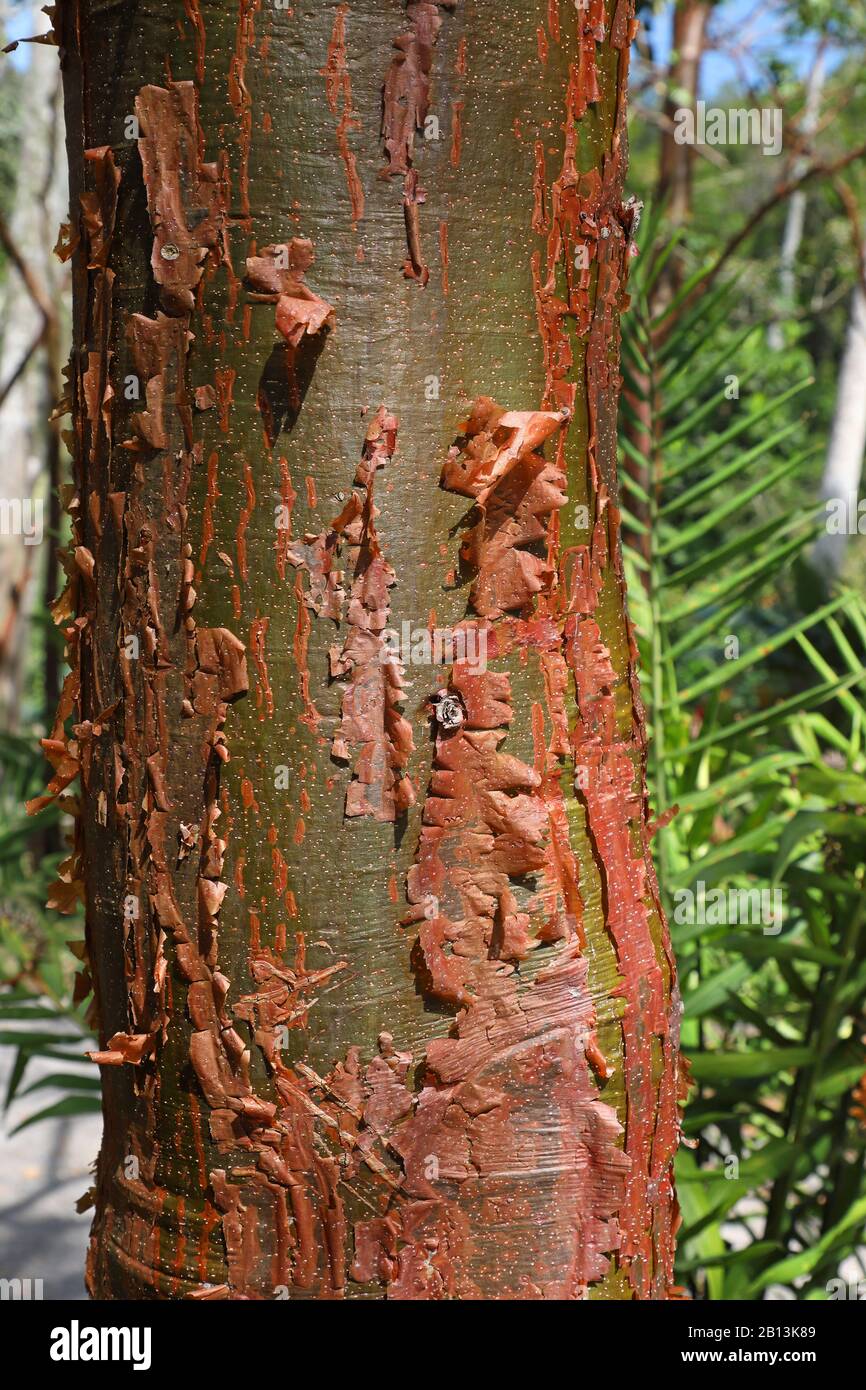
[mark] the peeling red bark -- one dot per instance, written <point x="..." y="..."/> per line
<point x="405" y="108"/>
<point x="184" y="197"/>
<point x="338" y="84"/>
<point x="371" y="719"/>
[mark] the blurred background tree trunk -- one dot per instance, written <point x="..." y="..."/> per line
<point x="843" y="465"/>
<point x="375" y="1020"/>
<point x="795" y="216"/>
<point x="30" y="371"/>
<point x="676" y="161"/>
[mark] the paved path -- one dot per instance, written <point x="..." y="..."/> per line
<point x="43" y="1172"/>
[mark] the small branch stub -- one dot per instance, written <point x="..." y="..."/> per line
<point x="448" y="711"/>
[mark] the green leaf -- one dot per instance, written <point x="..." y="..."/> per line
<point x="806" y="824"/>
<point x="16" y="1074"/>
<point x="671" y="403"/>
<point x="767" y="567"/>
<point x="745" y="542"/>
<point x="31" y="1040"/>
<point x="718" y="1067"/>
<point x="781" y="948"/>
<point x="684" y="536"/>
<point x="64" y="1081"/>
<point x="763" y="720"/>
<point x="798" y="1266"/>
<point x="71" y="1105"/>
<point x="713" y="992"/>
<point x="711" y="449"/>
<point x="733" y="782"/>
<point x="729" y="669"/>
<point x="722" y="473"/>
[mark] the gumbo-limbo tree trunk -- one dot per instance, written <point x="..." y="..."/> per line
<point x="385" y="996"/>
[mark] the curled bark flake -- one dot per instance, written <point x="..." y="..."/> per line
<point x="316" y="554"/>
<point x="482" y="831"/>
<point x="99" y="207"/>
<point x="276" y="276"/>
<point x="222" y="655"/>
<point x="406" y="94"/>
<point x="125" y="1047"/>
<point x="371" y="722"/>
<point x="414" y="267"/>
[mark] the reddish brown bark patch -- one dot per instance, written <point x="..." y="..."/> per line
<point x="516" y="492"/>
<point x="371" y="719"/>
<point x="405" y="107"/>
<point x="184" y="196"/>
<point x="338" y="84"/>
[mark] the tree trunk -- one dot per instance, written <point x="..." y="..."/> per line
<point x="28" y="441"/>
<point x="843" y="465"/>
<point x="676" y="162"/>
<point x="377" y="1020"/>
<point x="795" y="218"/>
